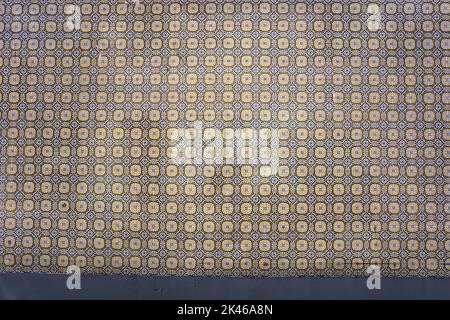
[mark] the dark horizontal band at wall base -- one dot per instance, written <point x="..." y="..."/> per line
<point x="45" y="286"/>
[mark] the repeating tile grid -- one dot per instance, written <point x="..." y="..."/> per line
<point x="358" y="92"/>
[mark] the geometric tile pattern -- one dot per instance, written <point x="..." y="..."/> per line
<point x="91" y="93"/>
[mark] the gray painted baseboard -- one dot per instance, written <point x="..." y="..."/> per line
<point x="46" y="286"/>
